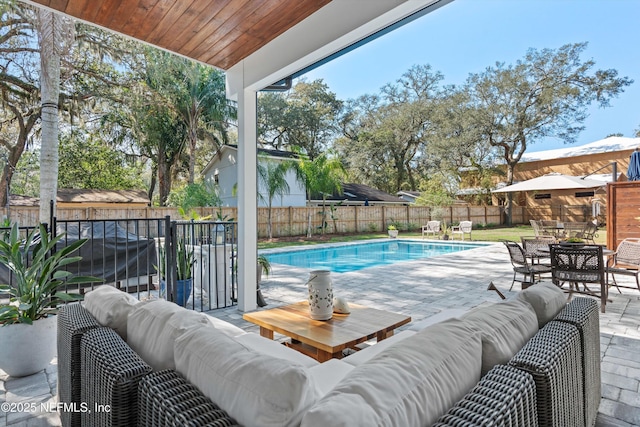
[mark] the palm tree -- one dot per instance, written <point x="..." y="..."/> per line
<point x="55" y="34"/>
<point x="273" y="176"/>
<point x="197" y="95"/>
<point x="322" y="175"/>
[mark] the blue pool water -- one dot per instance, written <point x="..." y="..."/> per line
<point x="353" y="257"/>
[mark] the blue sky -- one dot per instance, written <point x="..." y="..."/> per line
<point x="466" y="36"/>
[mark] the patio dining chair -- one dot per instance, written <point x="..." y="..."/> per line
<point x="589" y="233"/>
<point x="432" y="227"/>
<point x="538" y="229"/>
<point x="626" y="261"/>
<point x="579" y="265"/>
<point x="522" y="266"/>
<point x="537" y="248"/>
<point x="574" y="229"/>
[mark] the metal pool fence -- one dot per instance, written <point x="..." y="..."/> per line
<point x="192" y="263"/>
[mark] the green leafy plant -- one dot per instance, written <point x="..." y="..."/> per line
<point x="184" y="261"/>
<point x="39" y="277"/>
<point x="193" y="215"/>
<point x="185" y="258"/>
<point x="223" y="218"/>
<point x="574" y="240"/>
<point x="263" y="261"/>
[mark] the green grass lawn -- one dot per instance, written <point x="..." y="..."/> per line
<point x="486" y="234"/>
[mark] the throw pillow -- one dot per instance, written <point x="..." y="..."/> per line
<point x="504" y="327"/>
<point x="546" y="299"/>
<point x="110" y="307"/>
<point x="153" y="328"/>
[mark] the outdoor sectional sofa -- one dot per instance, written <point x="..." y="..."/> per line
<point x="531" y="360"/>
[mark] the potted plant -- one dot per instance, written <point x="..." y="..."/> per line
<point x="573" y="241"/>
<point x="28" y="332"/>
<point x="263" y="266"/>
<point x="184" y="272"/>
<point x="445" y="230"/>
<point x="393" y="231"/>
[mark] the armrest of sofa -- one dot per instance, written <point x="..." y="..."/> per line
<point x="166" y="398"/>
<point x="553" y="358"/>
<point x="505" y="396"/>
<point x="73" y="322"/>
<point x="584" y="314"/>
<point x="110" y="372"/>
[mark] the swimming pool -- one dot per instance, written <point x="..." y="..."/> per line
<point x="353" y="257"/>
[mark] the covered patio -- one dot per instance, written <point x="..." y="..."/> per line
<point x="420" y="289"/>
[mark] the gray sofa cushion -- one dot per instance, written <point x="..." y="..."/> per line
<point x="505" y="327"/>
<point x="546" y="299"/>
<point x="110" y="307"/>
<point x="256" y="389"/>
<point x="409" y="384"/>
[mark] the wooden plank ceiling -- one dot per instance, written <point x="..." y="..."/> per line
<point x="216" y="32"/>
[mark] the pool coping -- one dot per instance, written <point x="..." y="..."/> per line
<point x="380" y="240"/>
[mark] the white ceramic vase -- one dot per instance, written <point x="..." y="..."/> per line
<point x="27" y="349"/>
<point x="320" y="295"/>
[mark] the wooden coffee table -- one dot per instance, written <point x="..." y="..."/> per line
<point x="325" y="339"/>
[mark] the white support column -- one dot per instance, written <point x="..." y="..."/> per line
<point x="247" y="200"/>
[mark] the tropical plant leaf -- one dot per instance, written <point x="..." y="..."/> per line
<point x="37" y="266"/>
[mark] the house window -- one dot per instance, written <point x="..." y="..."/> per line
<point x="585" y="194"/>
<point x="542" y="196"/>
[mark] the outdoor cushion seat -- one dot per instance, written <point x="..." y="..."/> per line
<point x="504" y="328"/>
<point x="387" y="390"/>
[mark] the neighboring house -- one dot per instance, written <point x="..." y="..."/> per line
<point x="223" y="171"/>
<point x="409" y="196"/>
<point x="594" y="160"/>
<point x="75" y="198"/>
<point x="360" y="194"/>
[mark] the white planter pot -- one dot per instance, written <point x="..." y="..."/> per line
<point x="27" y="349"/>
<point x="320" y="295"/>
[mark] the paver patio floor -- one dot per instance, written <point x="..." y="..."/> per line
<point x="419" y="289"/>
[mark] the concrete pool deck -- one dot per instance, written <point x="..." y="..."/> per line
<point x="420" y="289"/>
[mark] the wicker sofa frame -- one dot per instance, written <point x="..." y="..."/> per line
<point x="562" y="361"/>
<point x="99" y="370"/>
<point x="553" y="380"/>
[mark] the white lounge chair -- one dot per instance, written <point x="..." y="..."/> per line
<point x="465" y="227"/>
<point x="432" y="227"/>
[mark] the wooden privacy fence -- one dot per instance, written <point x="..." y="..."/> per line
<point x="294" y="221"/>
<point x="291" y="221"/>
<point x="623" y="212"/>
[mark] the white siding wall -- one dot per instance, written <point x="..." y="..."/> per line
<point x="296" y="196"/>
<point x="227" y="171"/>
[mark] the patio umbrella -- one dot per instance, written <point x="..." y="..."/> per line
<point x="633" y="173"/>
<point x="553" y="181"/>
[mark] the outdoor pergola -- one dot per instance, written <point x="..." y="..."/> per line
<point x="259" y="44"/>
